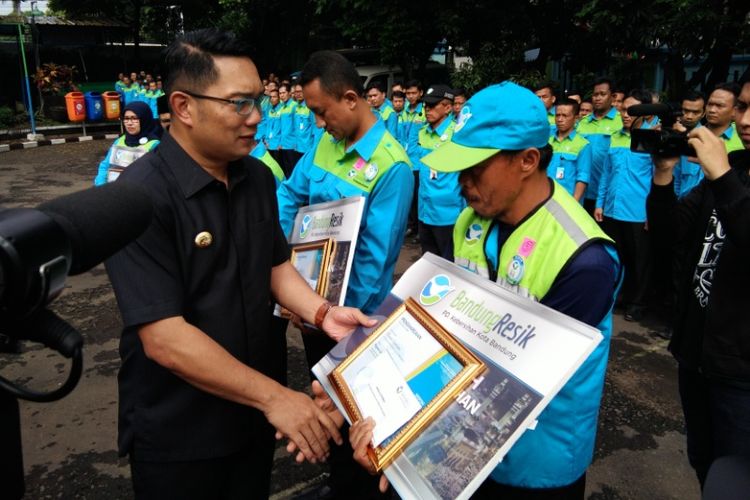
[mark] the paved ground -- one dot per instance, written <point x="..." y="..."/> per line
<point x="69" y="445"/>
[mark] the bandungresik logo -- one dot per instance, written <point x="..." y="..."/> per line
<point x="435" y="290"/>
<point x="473" y="233"/>
<point x="304" y="228"/>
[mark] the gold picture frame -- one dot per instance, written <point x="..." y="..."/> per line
<point x="391" y="340"/>
<point x="312" y="261"/>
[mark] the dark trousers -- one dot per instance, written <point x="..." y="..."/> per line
<point x="289" y="159"/>
<point x="729" y="477"/>
<point x="717" y="420"/>
<point x="245" y="475"/>
<point x="413" y="222"/>
<point x="589" y="205"/>
<point x="490" y="490"/>
<point x="437" y="239"/>
<point x="276" y="155"/>
<point x="634" y="246"/>
<point x="348" y="479"/>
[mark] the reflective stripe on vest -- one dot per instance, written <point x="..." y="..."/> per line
<point x="123" y="155"/>
<point x="535" y="252"/>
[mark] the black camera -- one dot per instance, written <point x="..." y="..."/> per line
<point x="666" y="142"/>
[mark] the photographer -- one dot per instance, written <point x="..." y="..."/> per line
<point x="710" y="231"/>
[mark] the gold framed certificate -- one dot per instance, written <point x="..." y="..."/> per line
<point x="406" y="372"/>
<point x="312" y="261"/>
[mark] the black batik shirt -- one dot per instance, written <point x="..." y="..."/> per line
<point x="207" y="256"/>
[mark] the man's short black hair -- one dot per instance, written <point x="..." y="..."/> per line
<point x="641" y="95"/>
<point x="398" y="83"/>
<point x="571" y="92"/>
<point x="399" y="94"/>
<point x="414" y="83"/>
<point x="545" y="157"/>
<point x="335" y="73"/>
<point x="459" y="92"/>
<point x="602" y="80"/>
<point x="693" y="95"/>
<point x="549" y="84"/>
<point x="731" y="87"/>
<point x="189" y="60"/>
<point x="286" y="86"/>
<point x="566" y="101"/>
<point x="377" y="85"/>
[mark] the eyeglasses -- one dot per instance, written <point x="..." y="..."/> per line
<point x="131" y="119"/>
<point x="243" y="106"/>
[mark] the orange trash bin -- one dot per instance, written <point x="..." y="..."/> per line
<point x="74" y="102"/>
<point x="111" y="105"/>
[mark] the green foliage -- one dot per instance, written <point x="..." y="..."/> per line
<point x="529" y="78"/>
<point x="583" y="81"/>
<point x="6" y="117"/>
<point x="466" y="77"/>
<point x="492" y="64"/>
<point x="591" y="36"/>
<point x="405" y="33"/>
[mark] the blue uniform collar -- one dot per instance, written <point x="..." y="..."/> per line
<point x="729" y="132"/>
<point x="259" y="150"/>
<point x="366" y="145"/>
<point x="442" y="127"/>
<point x="611" y="115"/>
<point x="570" y="137"/>
<point x="417" y="108"/>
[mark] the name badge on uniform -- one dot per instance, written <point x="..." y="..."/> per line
<point x="433" y="174"/>
<point x="560" y="173"/>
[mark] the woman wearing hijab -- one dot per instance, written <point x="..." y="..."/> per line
<point x="141" y="136"/>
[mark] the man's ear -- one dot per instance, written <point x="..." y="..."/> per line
<point x="529" y="161"/>
<point x="351" y="98"/>
<point x="182" y="108"/>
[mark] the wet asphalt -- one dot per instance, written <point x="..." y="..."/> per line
<point x="70" y="445"/>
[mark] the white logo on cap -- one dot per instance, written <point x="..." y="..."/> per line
<point x="429" y="91"/>
<point x="463" y="118"/>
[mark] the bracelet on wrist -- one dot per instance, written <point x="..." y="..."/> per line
<point x="321" y="314"/>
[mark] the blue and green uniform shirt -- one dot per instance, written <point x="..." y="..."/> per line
<point x="389" y="117"/>
<point x="440" y="201"/>
<point x="286" y="120"/>
<point x="376" y="167"/>
<point x="260" y="152"/>
<point x="304" y="123"/>
<point x="598" y="133"/>
<point x="571" y="160"/>
<point x="272" y="131"/>
<point x="625" y="181"/>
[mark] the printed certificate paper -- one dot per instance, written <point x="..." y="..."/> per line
<point x="337" y="221"/>
<point x="402" y="376"/>
<point x="530" y="351"/>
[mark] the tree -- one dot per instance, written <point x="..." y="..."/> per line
<point x="406" y="33"/>
<point x="713" y="29"/>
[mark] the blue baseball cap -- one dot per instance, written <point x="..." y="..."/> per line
<point x="500" y="117"/>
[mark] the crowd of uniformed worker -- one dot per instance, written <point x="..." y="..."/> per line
<point x="589" y="135"/>
<point x="418" y="155"/>
<point x="140" y="87"/>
